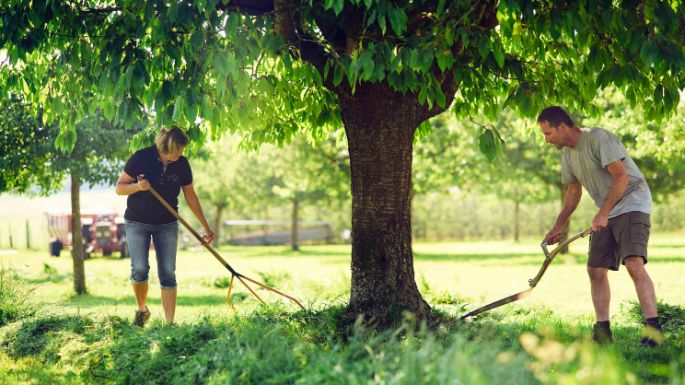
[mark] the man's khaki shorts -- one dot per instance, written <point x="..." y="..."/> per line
<point x="626" y="235"/>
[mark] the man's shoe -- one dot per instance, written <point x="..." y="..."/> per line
<point x="141" y="317"/>
<point x="601" y="334"/>
<point x="653" y="337"/>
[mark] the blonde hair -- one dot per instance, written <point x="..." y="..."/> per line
<point x="170" y="140"/>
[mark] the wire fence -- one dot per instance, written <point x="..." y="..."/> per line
<point x="29" y="234"/>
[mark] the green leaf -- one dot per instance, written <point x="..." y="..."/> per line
<point x="337" y="74"/>
<point x="649" y="53"/>
<point x="220" y="63"/>
<point x="197" y="38"/>
<point x="58" y="105"/>
<point x="126" y="80"/>
<point x="484" y="48"/>
<point x="398" y="20"/>
<point x="440" y="98"/>
<point x="367" y="64"/>
<point x="426" y="59"/>
<point x="441" y="7"/>
<point x="445" y="60"/>
<point x="499" y="55"/>
<point x="122" y="111"/>
<point x="326" y="69"/>
<point x="488" y="144"/>
<point x="338" y="6"/>
<point x="414" y="60"/>
<point x="422" y="94"/>
<point x="25" y="87"/>
<point x="381" y="23"/>
<point x="172" y="12"/>
<point x="178" y="109"/>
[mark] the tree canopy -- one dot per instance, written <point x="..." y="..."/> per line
<point x="230" y="63"/>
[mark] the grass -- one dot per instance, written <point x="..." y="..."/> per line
<point x="70" y="339"/>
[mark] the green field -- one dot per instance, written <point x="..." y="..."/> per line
<point x="542" y="339"/>
<point x="478" y="271"/>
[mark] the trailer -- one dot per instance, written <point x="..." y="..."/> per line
<point x="102" y="230"/>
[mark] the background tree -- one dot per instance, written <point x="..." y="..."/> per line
<point x="97" y="157"/>
<point x="296" y="174"/>
<point x="272" y="69"/>
<point x="521" y="170"/>
<point x="31" y="159"/>
<point x="26" y="147"/>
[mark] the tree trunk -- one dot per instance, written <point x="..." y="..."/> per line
<point x="294" y="227"/>
<point x="564" y="231"/>
<point x="380" y="125"/>
<point x="517" y="221"/>
<point x="76" y="237"/>
<point x="218" y="224"/>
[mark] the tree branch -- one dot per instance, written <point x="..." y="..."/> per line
<point x="251" y="7"/>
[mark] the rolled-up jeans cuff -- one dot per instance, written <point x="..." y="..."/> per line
<point x="167" y="287"/>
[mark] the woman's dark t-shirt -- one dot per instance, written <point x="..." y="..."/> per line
<point x="142" y="206"/>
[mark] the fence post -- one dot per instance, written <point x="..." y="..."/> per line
<point x="28" y="235"/>
<point x="10" y="231"/>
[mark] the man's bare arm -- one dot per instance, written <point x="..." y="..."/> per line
<point x="571" y="199"/>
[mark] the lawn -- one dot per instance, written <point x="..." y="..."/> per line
<point x="479" y="272"/>
<point x="542" y="339"/>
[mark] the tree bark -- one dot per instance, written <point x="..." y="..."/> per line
<point x="294" y="229"/>
<point x="76" y="237"/>
<point x="217" y="225"/>
<point x="564" y="231"/>
<point x="380" y="125"/>
<point x="517" y="221"/>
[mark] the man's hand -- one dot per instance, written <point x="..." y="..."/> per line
<point x="143" y="184"/>
<point x="599" y="222"/>
<point x="553" y="236"/>
<point x="209" y="236"/>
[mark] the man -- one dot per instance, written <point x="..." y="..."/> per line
<point x="596" y="160"/>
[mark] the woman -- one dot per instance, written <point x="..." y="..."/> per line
<point x="163" y="167"/>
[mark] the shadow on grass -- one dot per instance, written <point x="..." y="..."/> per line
<point x="53" y="278"/>
<point x="276" y="346"/>
<point x="651" y="365"/>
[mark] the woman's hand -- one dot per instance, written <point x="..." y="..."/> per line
<point x="143" y="184"/>
<point x="209" y="236"/>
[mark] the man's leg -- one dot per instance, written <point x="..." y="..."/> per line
<point x="601" y="296"/>
<point x="601" y="293"/>
<point x="643" y="285"/>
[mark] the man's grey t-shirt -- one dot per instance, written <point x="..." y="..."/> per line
<point x="587" y="163"/>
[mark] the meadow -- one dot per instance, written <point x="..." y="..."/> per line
<point x="50" y="335"/>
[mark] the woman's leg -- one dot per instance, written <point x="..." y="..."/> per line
<point x="138" y="238"/>
<point x="166" y="242"/>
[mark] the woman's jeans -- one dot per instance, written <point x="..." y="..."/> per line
<point x="165" y="238"/>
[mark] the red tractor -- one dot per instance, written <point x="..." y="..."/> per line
<point x="102" y="231"/>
